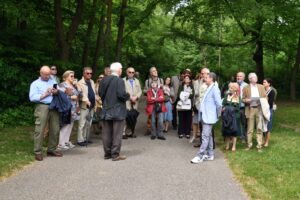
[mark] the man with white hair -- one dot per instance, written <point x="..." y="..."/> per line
<point x="133" y="88"/>
<point x="113" y="114"/>
<point x="41" y="93"/>
<point x="251" y="97"/>
<point x="240" y="77"/>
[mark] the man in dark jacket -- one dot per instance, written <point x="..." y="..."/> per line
<point x="113" y="114"/>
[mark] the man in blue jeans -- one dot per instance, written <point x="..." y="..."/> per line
<point x="210" y="110"/>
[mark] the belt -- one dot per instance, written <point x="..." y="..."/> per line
<point x="254" y="107"/>
<point x="48" y="104"/>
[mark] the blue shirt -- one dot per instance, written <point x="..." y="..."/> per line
<point x="38" y="88"/>
<point x="242" y="85"/>
<point x="131" y="83"/>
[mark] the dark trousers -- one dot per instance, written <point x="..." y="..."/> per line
<point x="243" y="124"/>
<point x="185" y="122"/>
<point x="112" y="137"/>
<point x="174" y="112"/>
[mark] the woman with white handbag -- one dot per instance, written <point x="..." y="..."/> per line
<point x="184" y="107"/>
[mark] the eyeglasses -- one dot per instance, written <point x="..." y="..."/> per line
<point x="101" y="77"/>
<point x="131" y="72"/>
<point x="88" y="73"/>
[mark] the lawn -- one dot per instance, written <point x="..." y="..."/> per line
<point x="274" y="173"/>
<point x="16" y="147"/>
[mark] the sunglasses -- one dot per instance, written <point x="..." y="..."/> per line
<point x="88" y="73"/>
<point x="131" y="72"/>
<point x="72" y="76"/>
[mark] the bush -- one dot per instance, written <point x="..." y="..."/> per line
<point x="22" y="115"/>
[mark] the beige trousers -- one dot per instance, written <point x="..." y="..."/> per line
<point x="43" y="116"/>
<point x="253" y="119"/>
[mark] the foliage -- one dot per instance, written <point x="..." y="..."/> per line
<point x="21" y="115"/>
<point x="171" y="35"/>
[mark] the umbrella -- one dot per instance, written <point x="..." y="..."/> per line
<point x="131" y="119"/>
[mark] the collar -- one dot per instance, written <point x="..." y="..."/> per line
<point x="114" y="74"/>
<point x="129" y="78"/>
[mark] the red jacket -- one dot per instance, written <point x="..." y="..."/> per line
<point x="150" y="102"/>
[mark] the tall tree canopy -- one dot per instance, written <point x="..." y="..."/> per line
<point x="225" y="35"/>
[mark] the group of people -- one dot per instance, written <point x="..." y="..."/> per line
<point x="192" y="106"/>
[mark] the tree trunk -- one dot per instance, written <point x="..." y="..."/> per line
<point x="107" y="41"/>
<point x="64" y="41"/>
<point x="258" y="58"/>
<point x="62" y="45"/>
<point x="295" y="71"/>
<point x="121" y="25"/>
<point x="86" y="48"/>
<point x="100" y="39"/>
<point x="259" y="53"/>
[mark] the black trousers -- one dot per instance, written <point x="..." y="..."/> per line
<point x="174" y="112"/>
<point x="185" y="122"/>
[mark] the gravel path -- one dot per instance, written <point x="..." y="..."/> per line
<point x="153" y="170"/>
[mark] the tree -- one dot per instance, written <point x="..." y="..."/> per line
<point x="121" y="26"/>
<point x="64" y="40"/>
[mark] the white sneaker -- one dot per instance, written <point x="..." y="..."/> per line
<point x="70" y="145"/>
<point x="209" y="158"/>
<point x="62" y="148"/>
<point x="197" y="159"/>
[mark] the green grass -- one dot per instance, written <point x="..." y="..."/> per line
<point x="274" y="173"/>
<point x="16" y="149"/>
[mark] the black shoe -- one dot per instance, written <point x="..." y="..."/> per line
<point x="82" y="144"/>
<point x="106" y="157"/>
<point x="131" y="136"/>
<point x="89" y="142"/>
<point x="180" y="136"/>
<point x="165" y="131"/>
<point x="152" y="137"/>
<point x="187" y="136"/>
<point x="161" y="138"/>
<point x="148" y="132"/>
<point x="124" y="137"/>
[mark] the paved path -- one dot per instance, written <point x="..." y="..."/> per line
<point x="153" y="170"/>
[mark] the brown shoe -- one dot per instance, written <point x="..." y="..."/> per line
<point x="39" y="157"/>
<point x="119" y="158"/>
<point x="196" y="145"/>
<point x="54" y="153"/>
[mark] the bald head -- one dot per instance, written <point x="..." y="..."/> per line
<point x="45" y="72"/>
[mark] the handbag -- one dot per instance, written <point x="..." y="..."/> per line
<point x="184" y="105"/>
<point x="158" y="107"/>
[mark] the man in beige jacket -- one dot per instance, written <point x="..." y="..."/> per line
<point x="86" y="87"/>
<point x="133" y="87"/>
<point x="251" y="97"/>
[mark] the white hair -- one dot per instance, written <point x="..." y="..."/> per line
<point x="114" y="67"/>
<point x="243" y="74"/>
<point x="252" y="74"/>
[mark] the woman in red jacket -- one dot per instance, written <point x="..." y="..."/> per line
<point x="156" y="108"/>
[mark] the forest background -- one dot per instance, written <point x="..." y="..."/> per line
<point x="228" y="36"/>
